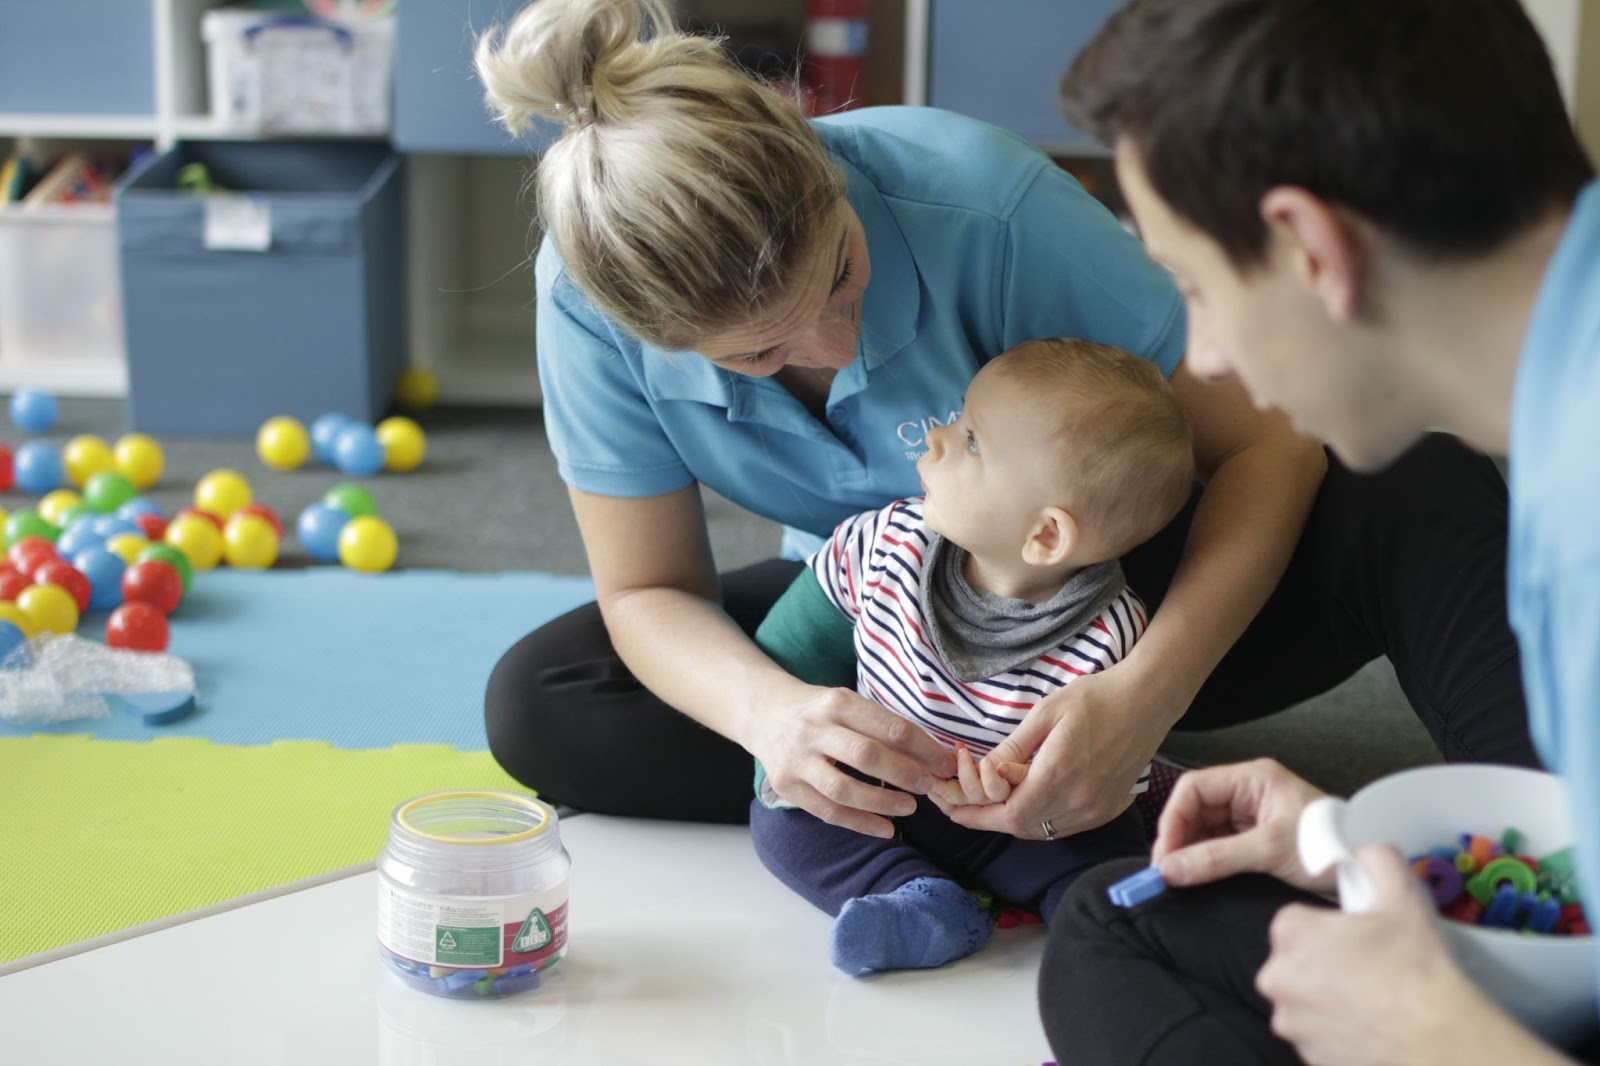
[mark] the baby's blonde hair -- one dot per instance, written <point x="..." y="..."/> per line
<point x="684" y="195"/>
<point x="1121" y="449"/>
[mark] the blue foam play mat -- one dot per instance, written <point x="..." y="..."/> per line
<point x="357" y="660"/>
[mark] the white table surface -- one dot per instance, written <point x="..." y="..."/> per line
<point x="683" y="950"/>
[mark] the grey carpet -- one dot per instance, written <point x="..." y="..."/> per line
<point x="488" y="498"/>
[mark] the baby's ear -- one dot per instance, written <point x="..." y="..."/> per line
<point x="1052" y="540"/>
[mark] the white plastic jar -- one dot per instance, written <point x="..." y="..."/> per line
<point x="472" y="896"/>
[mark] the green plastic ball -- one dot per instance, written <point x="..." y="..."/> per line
<point x="108" y="490"/>
<point x="27" y="523"/>
<point x="353" y="500"/>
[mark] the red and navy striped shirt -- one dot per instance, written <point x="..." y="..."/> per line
<point x="872" y="570"/>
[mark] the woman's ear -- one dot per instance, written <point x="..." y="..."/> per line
<point x="1319" y="245"/>
<point x="1052" y="540"/>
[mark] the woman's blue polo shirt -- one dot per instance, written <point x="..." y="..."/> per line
<point x="977" y="242"/>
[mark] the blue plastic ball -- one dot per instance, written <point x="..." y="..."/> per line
<point x="109" y="525"/>
<point x="319" y="528"/>
<point x="356" y="451"/>
<point x="325" y="432"/>
<point x="11" y="640"/>
<point x="140" y="505"/>
<point x="104" y="570"/>
<point x="80" y="536"/>
<point x="33" y="410"/>
<point x="38" y="467"/>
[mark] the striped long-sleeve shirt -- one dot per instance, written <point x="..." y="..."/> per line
<point x="872" y="571"/>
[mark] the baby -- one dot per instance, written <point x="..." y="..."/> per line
<point x="969" y="605"/>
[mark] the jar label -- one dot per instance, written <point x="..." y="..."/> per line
<point x="472" y="933"/>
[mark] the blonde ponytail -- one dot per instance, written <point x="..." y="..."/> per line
<point x="684" y="195"/>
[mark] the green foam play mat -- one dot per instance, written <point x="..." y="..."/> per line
<point x="100" y="836"/>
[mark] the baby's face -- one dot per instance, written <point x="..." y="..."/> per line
<point x="986" y="475"/>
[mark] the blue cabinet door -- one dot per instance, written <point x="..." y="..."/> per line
<point x="1001" y="61"/>
<point x="438" y="101"/>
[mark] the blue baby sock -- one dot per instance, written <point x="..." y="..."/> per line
<point x="923" y="923"/>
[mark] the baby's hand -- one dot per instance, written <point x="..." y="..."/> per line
<point x="978" y="782"/>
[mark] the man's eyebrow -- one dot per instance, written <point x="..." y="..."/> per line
<point x="838" y="268"/>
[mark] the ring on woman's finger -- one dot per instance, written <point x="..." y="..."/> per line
<point x="1049" y="830"/>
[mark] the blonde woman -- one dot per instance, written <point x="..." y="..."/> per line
<point x="730" y="295"/>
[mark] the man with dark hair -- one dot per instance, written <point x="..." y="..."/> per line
<point x="1382" y="222"/>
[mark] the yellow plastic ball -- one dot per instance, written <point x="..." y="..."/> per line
<point x="10" y="612"/>
<point x="139" y="459"/>
<point x="367" y="544"/>
<point x="51" y="607"/>
<point x="418" y="389"/>
<point x="249" y="542"/>
<point x="51" y="504"/>
<point x="404" y="443"/>
<point x="86" y="456"/>
<point x="282" y="443"/>
<point x="198" y="539"/>
<point x="222" y="492"/>
<point x="127" y="546"/>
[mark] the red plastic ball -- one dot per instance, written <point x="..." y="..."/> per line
<point x="138" y="627"/>
<point x="8" y="470"/>
<point x="153" y="582"/>
<point x="261" y="510"/>
<point x="12" y="581"/>
<point x="68" y="577"/>
<point x="207" y="515"/>
<point x="154" y="526"/>
<point x="30" y="553"/>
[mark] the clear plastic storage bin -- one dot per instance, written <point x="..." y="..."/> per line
<point x="60" y="302"/>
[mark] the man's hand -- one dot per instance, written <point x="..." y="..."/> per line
<point x="1240" y="818"/>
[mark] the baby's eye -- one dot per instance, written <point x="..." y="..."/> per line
<point x="972" y="443"/>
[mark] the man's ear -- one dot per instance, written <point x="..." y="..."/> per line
<point x="1052" y="540"/>
<point x="1319" y="245"/>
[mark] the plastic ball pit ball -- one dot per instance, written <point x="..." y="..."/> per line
<point x="138" y="627"/>
<point x="55" y="504"/>
<point x="139" y="459"/>
<point x="11" y="638"/>
<point x="38" y="467"/>
<point x="8" y="469"/>
<point x="262" y="511"/>
<point x="85" y="456"/>
<point x="404" y="444"/>
<point x="353" y="500"/>
<point x="282" y="443"/>
<point x="418" y="389"/>
<point x="155" y="582"/>
<point x="10" y="612"/>
<point x="367" y="544"/>
<point x="26" y="523"/>
<point x="12" y="582"/>
<point x="249" y="542"/>
<point x="166" y="553"/>
<point x="51" y="607"/>
<point x="198" y="539"/>
<point x="127" y="547"/>
<point x="107" y="491"/>
<point x="319" y="528"/>
<point x="325" y="431"/>
<point x="356" y="451"/>
<point x="64" y="575"/>
<point x="30" y="553"/>
<point x="222" y="492"/>
<point x="33" y="410"/>
<point x="104" y="569"/>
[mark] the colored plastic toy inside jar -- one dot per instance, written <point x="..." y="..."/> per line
<point x="472" y="897"/>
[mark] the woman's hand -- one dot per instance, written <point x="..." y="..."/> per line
<point x="1084" y="751"/>
<point x="806" y="743"/>
<point x="1240" y="818"/>
<point x="1351" y="990"/>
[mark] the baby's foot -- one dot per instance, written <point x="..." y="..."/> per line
<point x="923" y="923"/>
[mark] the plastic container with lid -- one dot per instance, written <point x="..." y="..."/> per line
<point x="472" y="896"/>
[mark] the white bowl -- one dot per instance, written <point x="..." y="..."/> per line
<point x="1548" y="982"/>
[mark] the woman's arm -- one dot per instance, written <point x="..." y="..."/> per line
<point x="657" y="590"/>
<point x="1089" y="742"/>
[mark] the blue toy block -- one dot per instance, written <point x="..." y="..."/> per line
<point x="1132" y="891"/>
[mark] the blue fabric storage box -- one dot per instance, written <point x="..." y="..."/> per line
<point x="77" y="57"/>
<point x="218" y="341"/>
